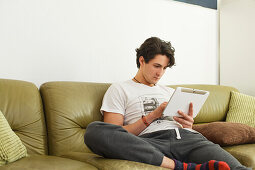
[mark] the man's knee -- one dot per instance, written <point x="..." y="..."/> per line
<point x="91" y="133"/>
<point x="94" y="126"/>
<point x="97" y="132"/>
<point x="100" y="135"/>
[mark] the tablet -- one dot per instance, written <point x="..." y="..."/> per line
<point x="181" y="99"/>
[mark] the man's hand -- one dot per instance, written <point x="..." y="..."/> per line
<point x="187" y="119"/>
<point x="157" y="113"/>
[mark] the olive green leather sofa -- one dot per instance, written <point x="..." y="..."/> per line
<point x="21" y="104"/>
<point x="51" y="123"/>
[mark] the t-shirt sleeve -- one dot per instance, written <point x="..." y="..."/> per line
<point x="114" y="100"/>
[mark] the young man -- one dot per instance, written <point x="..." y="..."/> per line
<point x="134" y="128"/>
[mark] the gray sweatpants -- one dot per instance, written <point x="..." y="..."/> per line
<point x="113" y="141"/>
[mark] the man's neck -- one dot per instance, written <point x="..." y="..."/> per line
<point x="140" y="79"/>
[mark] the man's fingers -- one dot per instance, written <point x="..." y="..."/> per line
<point x="185" y="116"/>
<point x="186" y="120"/>
<point x="163" y="105"/>
<point x="181" y="113"/>
<point x="183" y="122"/>
<point x="182" y="119"/>
<point x="190" y="110"/>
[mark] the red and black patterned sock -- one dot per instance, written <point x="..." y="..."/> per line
<point x="210" y="165"/>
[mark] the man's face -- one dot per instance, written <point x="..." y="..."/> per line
<point x="154" y="69"/>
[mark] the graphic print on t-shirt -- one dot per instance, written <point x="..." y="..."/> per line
<point x="149" y="104"/>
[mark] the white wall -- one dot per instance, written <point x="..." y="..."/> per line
<point x="237" y="39"/>
<point x="77" y="40"/>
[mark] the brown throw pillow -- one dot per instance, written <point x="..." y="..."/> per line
<point x="227" y="133"/>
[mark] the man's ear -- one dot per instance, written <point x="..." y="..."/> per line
<point x="141" y="61"/>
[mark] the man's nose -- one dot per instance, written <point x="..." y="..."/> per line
<point x="160" y="72"/>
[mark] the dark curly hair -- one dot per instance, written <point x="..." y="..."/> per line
<point x="153" y="46"/>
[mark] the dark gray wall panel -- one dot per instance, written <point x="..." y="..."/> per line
<point x="205" y="3"/>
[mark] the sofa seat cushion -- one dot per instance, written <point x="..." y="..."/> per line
<point x="47" y="162"/>
<point x="244" y="153"/>
<point x="109" y="164"/>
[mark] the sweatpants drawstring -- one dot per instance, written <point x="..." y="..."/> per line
<point x="178" y="136"/>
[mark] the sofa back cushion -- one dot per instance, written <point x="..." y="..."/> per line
<point x="216" y="105"/>
<point x="69" y="108"/>
<point x="20" y="103"/>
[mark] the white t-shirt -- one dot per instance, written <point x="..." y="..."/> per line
<point x="133" y="100"/>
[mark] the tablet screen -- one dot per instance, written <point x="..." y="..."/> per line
<point x="181" y="100"/>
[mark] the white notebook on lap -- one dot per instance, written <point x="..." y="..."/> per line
<point x="181" y="100"/>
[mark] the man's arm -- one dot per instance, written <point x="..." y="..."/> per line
<point x="137" y="127"/>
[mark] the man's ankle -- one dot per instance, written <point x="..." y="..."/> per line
<point x="167" y="163"/>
